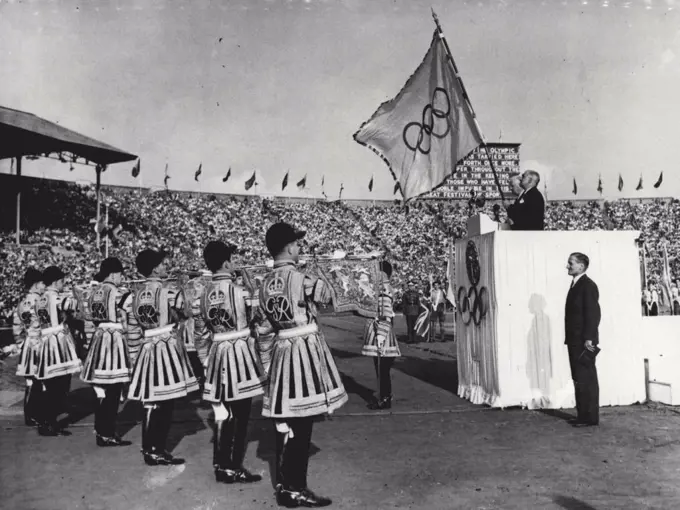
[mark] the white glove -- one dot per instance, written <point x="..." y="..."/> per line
<point x="381" y="343"/>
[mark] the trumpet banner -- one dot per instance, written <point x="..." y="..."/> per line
<point x="355" y="284"/>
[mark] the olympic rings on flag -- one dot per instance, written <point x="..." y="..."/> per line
<point x="439" y="108"/>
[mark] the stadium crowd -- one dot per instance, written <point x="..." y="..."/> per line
<point x="58" y="227"/>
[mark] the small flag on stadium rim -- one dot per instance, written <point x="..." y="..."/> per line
<point x="426" y="128"/>
<point x="285" y="181"/>
<point x="226" y="177"/>
<point x="370" y="184"/>
<point x="302" y="183"/>
<point x="639" y="186"/>
<point x="599" y="184"/>
<point x="397" y="187"/>
<point x="575" y="190"/>
<point x="135" y="169"/>
<point x="198" y="172"/>
<point x="620" y="182"/>
<point x="658" y="183"/>
<point x="250" y="182"/>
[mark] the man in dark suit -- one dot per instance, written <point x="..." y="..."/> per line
<point x="581" y="322"/>
<point x="410" y="303"/>
<point x="528" y="211"/>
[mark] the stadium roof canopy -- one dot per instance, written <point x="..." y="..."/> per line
<point x="25" y="134"/>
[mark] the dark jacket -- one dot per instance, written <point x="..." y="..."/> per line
<point x="528" y="212"/>
<point x="582" y="313"/>
<point x="411" y="302"/>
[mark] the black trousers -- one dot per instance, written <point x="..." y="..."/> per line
<point x="197" y="367"/>
<point x="383" y="375"/>
<point x="32" y="401"/>
<point x="156" y="427"/>
<point x="411" y="327"/>
<point x="292" y="458"/>
<point x="231" y="435"/>
<point x="52" y="398"/>
<point x="107" y="411"/>
<point x="437" y="317"/>
<point x="584" y="374"/>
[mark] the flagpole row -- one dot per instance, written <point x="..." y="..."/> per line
<point x="449" y="55"/>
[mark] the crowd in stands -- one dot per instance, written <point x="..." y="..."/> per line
<point x="58" y="225"/>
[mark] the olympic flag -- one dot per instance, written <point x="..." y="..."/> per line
<point x="427" y="128"/>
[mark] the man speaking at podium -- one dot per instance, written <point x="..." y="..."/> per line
<point x="528" y="211"/>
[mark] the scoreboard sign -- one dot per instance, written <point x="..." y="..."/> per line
<point x="474" y="173"/>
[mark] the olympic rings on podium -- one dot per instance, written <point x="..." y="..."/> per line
<point x="473" y="304"/>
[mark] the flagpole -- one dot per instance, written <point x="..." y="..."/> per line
<point x="106" y="249"/>
<point x="468" y="102"/>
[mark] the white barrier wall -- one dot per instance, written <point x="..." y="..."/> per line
<point x="517" y="356"/>
<point x="660" y="339"/>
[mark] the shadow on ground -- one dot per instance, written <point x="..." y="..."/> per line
<point x="354" y="388"/>
<point x="569" y="503"/>
<point x="556" y="413"/>
<point x="440" y="373"/>
<point x="342" y="354"/>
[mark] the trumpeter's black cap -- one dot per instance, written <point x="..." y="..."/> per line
<point x="280" y="235"/>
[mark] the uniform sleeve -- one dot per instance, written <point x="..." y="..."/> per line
<point x="202" y="335"/>
<point x="178" y="302"/>
<point x="67" y="302"/>
<point x="133" y="330"/>
<point x="385" y="299"/>
<point x="18" y="328"/>
<point x="317" y="290"/>
<point x="175" y="305"/>
<point x="122" y="296"/>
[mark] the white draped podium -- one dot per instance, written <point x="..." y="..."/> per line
<point x="516" y="355"/>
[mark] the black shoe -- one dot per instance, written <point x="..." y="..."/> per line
<point x="31" y="422"/>
<point x="245" y="476"/>
<point x="582" y="424"/>
<point x="161" y="459"/>
<point x="104" y="441"/>
<point x="47" y="430"/>
<point x="173" y="461"/>
<point x="223" y="475"/>
<point x="304" y="498"/>
<point x="383" y="403"/>
<point x="242" y="475"/>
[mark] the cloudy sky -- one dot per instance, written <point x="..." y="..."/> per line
<point x="586" y="87"/>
